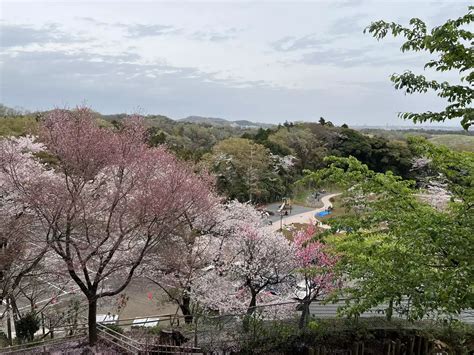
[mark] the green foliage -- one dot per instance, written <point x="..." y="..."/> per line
<point x="156" y="330"/>
<point x="268" y="337"/>
<point x="309" y="143"/>
<point x="458" y="336"/>
<point x="27" y="326"/>
<point x="413" y="258"/>
<point x="300" y="142"/>
<point x="3" y="339"/>
<point x="245" y="170"/>
<point x="314" y="326"/>
<point x="270" y="178"/>
<point x="452" y="43"/>
<point x="156" y="136"/>
<point x="17" y="126"/>
<point x="378" y="153"/>
<point x="456" y="167"/>
<point x="341" y="334"/>
<point x="190" y="141"/>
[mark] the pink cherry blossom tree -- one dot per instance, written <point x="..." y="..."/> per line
<point x="261" y="261"/>
<point x="19" y="256"/>
<point x="105" y="200"/>
<point x="435" y="190"/>
<point x="250" y="264"/>
<point x="181" y="262"/>
<point x="191" y="264"/>
<point x="24" y="252"/>
<point x="315" y="267"/>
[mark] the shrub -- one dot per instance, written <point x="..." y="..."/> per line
<point x="156" y="330"/>
<point x="27" y="326"/>
<point x="458" y="336"/>
<point x="342" y="334"/>
<point x="3" y="339"/>
<point x="111" y="328"/>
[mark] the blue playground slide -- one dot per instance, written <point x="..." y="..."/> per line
<point x="322" y="213"/>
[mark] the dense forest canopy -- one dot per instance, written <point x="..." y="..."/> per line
<point x="259" y="164"/>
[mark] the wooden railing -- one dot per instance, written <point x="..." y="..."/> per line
<point x="118" y="339"/>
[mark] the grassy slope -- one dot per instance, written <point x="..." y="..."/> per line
<point x="457" y="142"/>
<point x="17" y="126"/>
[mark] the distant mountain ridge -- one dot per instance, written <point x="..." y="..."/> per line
<point x="157" y="119"/>
<point x="215" y="121"/>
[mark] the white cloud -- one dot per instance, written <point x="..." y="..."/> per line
<point x="264" y="61"/>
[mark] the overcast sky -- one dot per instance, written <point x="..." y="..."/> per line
<point x="266" y="61"/>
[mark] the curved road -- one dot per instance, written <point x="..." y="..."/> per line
<point x="306" y="217"/>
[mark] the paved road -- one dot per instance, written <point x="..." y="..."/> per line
<point x="305" y="217"/>
<point x="295" y="209"/>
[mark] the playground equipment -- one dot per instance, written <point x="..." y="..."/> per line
<point x="285" y="207"/>
<point x="322" y="213"/>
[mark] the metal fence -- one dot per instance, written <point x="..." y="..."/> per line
<point x="230" y="333"/>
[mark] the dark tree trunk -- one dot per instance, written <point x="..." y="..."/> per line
<point x="15" y="310"/>
<point x="9" y="325"/>
<point x="92" y="321"/>
<point x="185" y="307"/>
<point x="304" y="314"/>
<point x="250" y="311"/>
<point x="390" y="310"/>
<point x="51" y="328"/>
<point x="252" y="305"/>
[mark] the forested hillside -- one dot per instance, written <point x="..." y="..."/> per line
<point x="258" y="164"/>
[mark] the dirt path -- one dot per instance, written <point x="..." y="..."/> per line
<point x="306" y="217"/>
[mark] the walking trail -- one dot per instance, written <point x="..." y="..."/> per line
<point x="306" y="217"/>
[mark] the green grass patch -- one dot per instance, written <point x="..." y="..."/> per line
<point x="17" y="126"/>
<point x="458" y="142"/>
